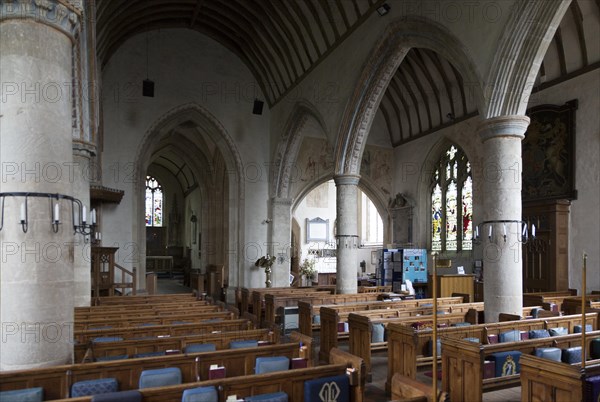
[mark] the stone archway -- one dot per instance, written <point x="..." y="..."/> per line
<point x="382" y="63"/>
<point x="204" y="120"/>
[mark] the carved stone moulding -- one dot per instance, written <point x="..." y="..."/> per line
<point x="60" y="14"/>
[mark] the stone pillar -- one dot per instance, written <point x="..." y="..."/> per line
<point x="347" y="233"/>
<point x="82" y="258"/>
<point x="502" y="260"/>
<point x="281" y="239"/>
<point x="36" y="268"/>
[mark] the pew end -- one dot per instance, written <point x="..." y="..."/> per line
<point x="355" y="370"/>
<point x="406" y="389"/>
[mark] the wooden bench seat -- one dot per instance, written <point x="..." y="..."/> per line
<point x="572" y="305"/>
<point x="143" y="299"/>
<point x="84" y="312"/>
<point x="407" y="346"/>
<point x="86" y="336"/>
<point x="57" y="380"/>
<point x="462" y="363"/>
<point x="332" y="315"/>
<point x="361" y="326"/>
<point x="291" y="382"/>
<point x="541" y="298"/>
<point x="550" y="381"/>
<point x="252" y="299"/>
<point x="167" y="319"/>
<point x="133" y="347"/>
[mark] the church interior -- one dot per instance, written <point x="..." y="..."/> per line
<point x="300" y="200"/>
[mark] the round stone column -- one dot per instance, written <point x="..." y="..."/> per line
<point x="82" y="176"/>
<point x="281" y="240"/>
<point x="347" y="233"/>
<point x="36" y="270"/>
<point x="502" y="251"/>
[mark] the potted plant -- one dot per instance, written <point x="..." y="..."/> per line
<point x="308" y="270"/>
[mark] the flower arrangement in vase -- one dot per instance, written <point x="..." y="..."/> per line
<point x="307" y="269"/>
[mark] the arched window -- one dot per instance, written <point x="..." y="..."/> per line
<point x="154" y="202"/>
<point x="371" y="223"/>
<point x="452" y="202"/>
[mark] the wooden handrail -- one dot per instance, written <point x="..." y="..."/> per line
<point x="125" y="271"/>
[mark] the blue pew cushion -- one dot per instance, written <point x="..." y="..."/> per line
<point x="378" y="332"/>
<point x="271" y="363"/>
<point x="336" y="388"/>
<point x="316" y="319"/>
<point x="272" y="397"/>
<point x="558" y="331"/>
<point x="549" y="353"/>
<point x="94" y="387"/>
<point x="243" y="344"/>
<point x="577" y="328"/>
<point x="107" y="339"/>
<point x="509" y="336"/>
<point x="571" y="355"/>
<point x="592" y="388"/>
<point x="150" y="354"/>
<point x="539" y="333"/>
<point x="200" y="394"/>
<point x="506" y="363"/>
<point x="122" y="396"/>
<point x="460" y="324"/>
<point x="160" y="377"/>
<point x="471" y="339"/>
<point x="111" y="358"/>
<point x="535" y="312"/>
<point x="23" y="395"/>
<point x="200" y="347"/>
<point x="595" y="348"/>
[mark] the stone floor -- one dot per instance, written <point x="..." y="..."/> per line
<point x="374" y="391"/>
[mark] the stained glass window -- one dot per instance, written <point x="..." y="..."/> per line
<point x="154" y="202"/>
<point x="452" y="202"/>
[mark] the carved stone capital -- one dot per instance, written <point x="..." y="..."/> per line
<point x="64" y="15"/>
<point x="503" y="126"/>
<point x="346" y="180"/>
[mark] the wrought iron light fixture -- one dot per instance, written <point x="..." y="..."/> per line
<point x="78" y="212"/>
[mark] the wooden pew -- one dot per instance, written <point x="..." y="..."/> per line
<point x="85" y="312"/>
<point x="143" y="299"/>
<point x="462" y="363"/>
<point x="167" y="319"/>
<point x="176" y="344"/>
<point x="550" y="381"/>
<point x="332" y="315"/>
<point x="361" y="325"/>
<point x="163" y="330"/>
<point x="291" y="382"/>
<point x="274" y="301"/>
<point x="57" y="380"/>
<point x="572" y="305"/>
<point x="407" y="346"/>
<point x="248" y="302"/>
<point x="540" y="298"/>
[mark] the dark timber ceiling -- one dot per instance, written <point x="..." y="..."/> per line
<point x="279" y="40"/>
<point x="428" y="93"/>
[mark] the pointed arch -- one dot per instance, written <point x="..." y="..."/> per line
<point x="210" y="125"/>
<point x="289" y="146"/>
<point x="520" y="53"/>
<point x="382" y="63"/>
